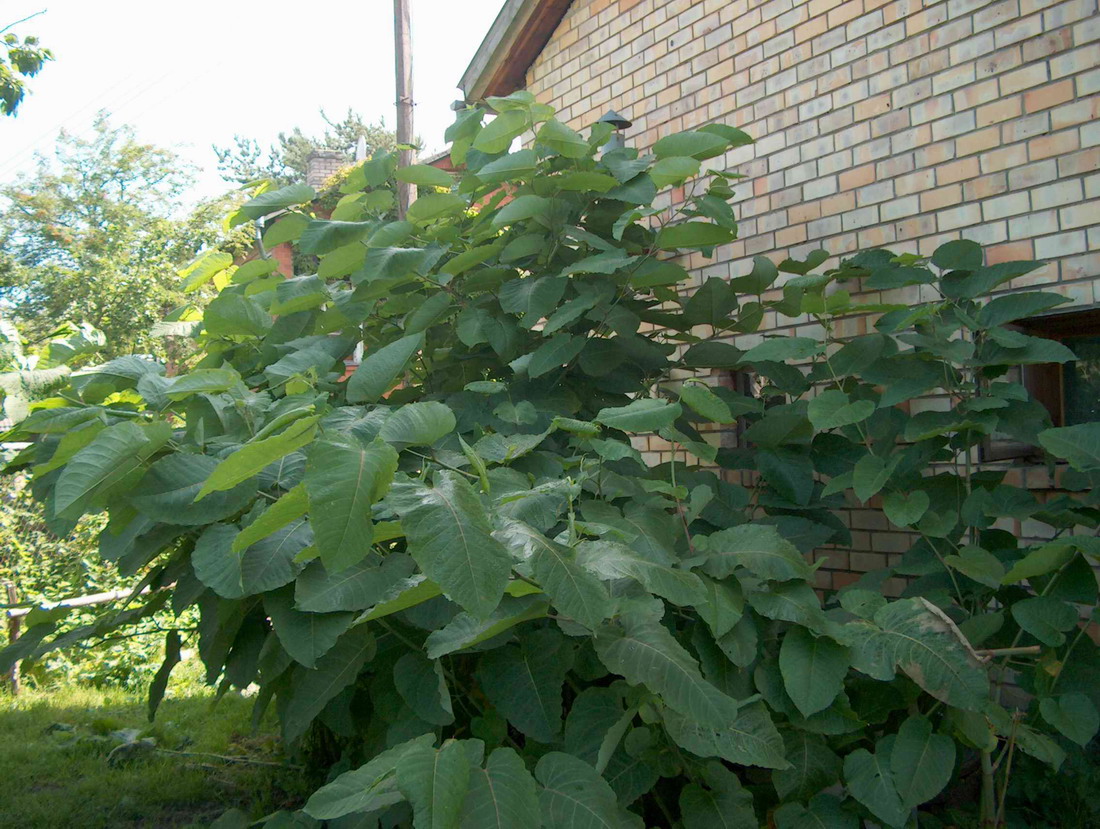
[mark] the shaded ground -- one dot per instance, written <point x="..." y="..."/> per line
<point x="55" y="769"/>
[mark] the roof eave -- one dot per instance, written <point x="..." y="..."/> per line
<point x="519" y="33"/>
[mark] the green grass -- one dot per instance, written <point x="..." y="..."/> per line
<point x="60" y="777"/>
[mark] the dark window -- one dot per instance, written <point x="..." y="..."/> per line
<point x="1069" y="391"/>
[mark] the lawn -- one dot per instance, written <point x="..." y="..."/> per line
<point x="57" y="770"/>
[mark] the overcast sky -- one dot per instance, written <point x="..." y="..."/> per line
<point x="191" y="74"/>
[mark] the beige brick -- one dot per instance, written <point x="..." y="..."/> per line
<point x="1048" y="96"/>
<point x="998" y="111"/>
<point x="1079" y="215"/>
<point x="940" y="197"/>
<point x="980" y="141"/>
<point x="1024" y="78"/>
<point x="1046" y="146"/>
<point x="957" y="171"/>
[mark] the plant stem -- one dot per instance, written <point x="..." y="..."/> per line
<point x="989" y="794"/>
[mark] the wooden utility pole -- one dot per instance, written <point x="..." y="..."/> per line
<point x="402" y="37"/>
<point x="14" y="623"/>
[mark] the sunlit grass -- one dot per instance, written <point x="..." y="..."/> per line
<point x="54" y="770"/>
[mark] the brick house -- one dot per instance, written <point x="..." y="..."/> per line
<point x="899" y="123"/>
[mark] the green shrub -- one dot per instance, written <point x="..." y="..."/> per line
<point x="459" y="582"/>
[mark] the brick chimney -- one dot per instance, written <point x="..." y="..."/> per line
<point x="320" y="164"/>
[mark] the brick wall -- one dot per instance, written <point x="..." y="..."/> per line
<point x="900" y="123"/>
<point x="321" y="165"/>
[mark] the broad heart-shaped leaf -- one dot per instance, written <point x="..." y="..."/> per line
<point x="832" y="409"/>
<point x="322" y="236"/>
<point x="573" y="796"/>
<point x="424" y="175"/>
<point x="524" y="682"/>
<point x="576" y="592"/>
<point x="759" y="548"/>
<point x="1072" y="714"/>
<point x="497" y="135"/>
<point x="418" y="424"/>
<point x="273" y="200"/>
<point x="813" y="669"/>
<point x="871" y="782"/>
<point x="421" y="683"/>
<point x="642" y="650"/>
<point x="870" y="475"/>
<point x="673" y="170"/>
<point x="958" y="255"/>
<point x="450" y="537"/>
<point x="235" y="315"/>
<point x="749" y="740"/>
<point x="369" y="788"/>
<point x="292" y="505"/>
<point x="919" y="638"/>
<point x="344" y="477"/>
<point x="1080" y="445"/>
<point x="503" y="795"/>
<point x="266" y="565"/>
<point x="1045" y="618"/>
<point x="532" y="298"/>
<point x="519" y="164"/>
<point x="360" y="586"/>
<point x="692" y="235"/>
<point x="781" y="349"/>
<point x="612" y="560"/>
<point x="305" y="636"/>
<point x="253" y="458"/>
<point x="167" y="492"/>
<point x="560" y="350"/>
<point x="922" y="762"/>
<point x="723" y="804"/>
<point x="113" y="461"/>
<point x="435" y="782"/>
<point x="905" y="509"/>
<point x="814" y="766"/>
<point x="380" y="369"/>
<point x="824" y="812"/>
<point x="311" y="690"/>
<point x="703" y="401"/>
<point x="645" y="415"/>
<point x="696" y="144"/>
<point x="204" y="268"/>
<point x="554" y="135"/>
<point x="434" y="206"/>
<point x="465" y="631"/>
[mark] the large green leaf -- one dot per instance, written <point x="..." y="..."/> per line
<point x="1073" y="714"/>
<point x="692" y="235"/>
<point x="418" y="424"/>
<point x="344" y="477"/>
<point x="450" y="537"/>
<point x="381" y="368"/>
<point x="367" y="789"/>
<point x="424" y="175"/>
<point x="497" y="135"/>
<point x="813" y="669"/>
<point x="576" y="592"/>
<point x="722" y="804"/>
<point x="274" y="200"/>
<point x="435" y="782"/>
<point x="645" y="415"/>
<point x="421" y="683"/>
<point x="322" y="236"/>
<point x="305" y="636"/>
<point x="556" y="136"/>
<point x="290" y="506"/>
<point x="642" y="650"/>
<point x="560" y="350"/>
<point x="757" y="547"/>
<point x="573" y="796"/>
<point x="871" y="782"/>
<point x="266" y="565"/>
<point x="435" y="206"/>
<point x="231" y="315"/>
<point x="916" y="636"/>
<point x="167" y="492"/>
<point x="523" y="682"/>
<point x="1045" y="618"/>
<point x="335" y="671"/>
<point x="703" y="401"/>
<point x="362" y="585"/>
<point x="823" y="812"/>
<point x="749" y="740"/>
<point x="1080" y="445"/>
<point x="113" y="462"/>
<point x="253" y="458"/>
<point x="503" y="795"/>
<point x="832" y="409"/>
<point x="922" y="762"/>
<point x="532" y="298"/>
<point x="612" y="560"/>
<point x="465" y="631"/>
<point x="814" y="766"/>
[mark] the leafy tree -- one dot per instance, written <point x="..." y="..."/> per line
<point x="94" y="235"/>
<point x="23" y="59"/>
<point x="285" y="161"/>
<point x="455" y="565"/>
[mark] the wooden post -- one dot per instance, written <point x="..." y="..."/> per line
<point x="402" y="38"/>
<point x="14" y="624"/>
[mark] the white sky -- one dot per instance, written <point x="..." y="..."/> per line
<point x="190" y="74"/>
